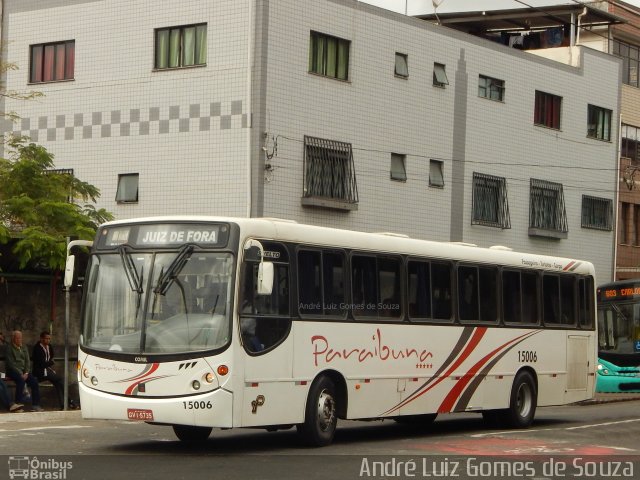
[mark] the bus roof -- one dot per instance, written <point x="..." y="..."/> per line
<point x="290" y="231"/>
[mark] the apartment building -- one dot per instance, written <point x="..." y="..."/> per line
<point x="330" y="112"/>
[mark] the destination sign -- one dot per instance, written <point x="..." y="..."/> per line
<point x="618" y="293"/>
<point x="165" y="235"/>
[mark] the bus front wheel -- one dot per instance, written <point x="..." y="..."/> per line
<point x="189" y="434"/>
<point x="320" y="417"/>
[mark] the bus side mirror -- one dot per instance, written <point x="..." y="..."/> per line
<point x="69" y="269"/>
<point x="265" y="278"/>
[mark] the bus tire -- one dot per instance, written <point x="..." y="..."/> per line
<point x="523" y="401"/>
<point x="190" y="434"/>
<point x="321" y="414"/>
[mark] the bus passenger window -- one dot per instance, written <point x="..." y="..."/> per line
<point x="333" y="273"/>
<point x="488" y="294"/>
<point x="364" y="284"/>
<point x="441" y="290"/>
<point x="551" y="299"/>
<point x="567" y="300"/>
<point x="585" y="299"/>
<point x="389" y="281"/>
<point x="419" y="294"/>
<point x="468" y="293"/>
<point x="309" y="283"/>
<point x="511" y="296"/>
<point x="529" y="297"/>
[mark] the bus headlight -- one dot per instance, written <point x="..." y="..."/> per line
<point x="196" y="385"/>
<point x="602" y="370"/>
<point x="94" y="381"/>
<point x="85" y="373"/>
<point x="208" y="377"/>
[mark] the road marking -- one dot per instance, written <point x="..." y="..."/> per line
<point x="535" y="430"/>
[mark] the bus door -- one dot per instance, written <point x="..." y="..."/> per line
<point x="264" y="325"/>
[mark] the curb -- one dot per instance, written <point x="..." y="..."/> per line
<point x="40" y="417"/>
<point x="601" y="398"/>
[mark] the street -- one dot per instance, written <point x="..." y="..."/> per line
<point x="602" y="435"/>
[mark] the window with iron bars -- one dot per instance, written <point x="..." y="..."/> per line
<point x="329" y="172"/>
<point x="597" y="213"/>
<point x="490" y="202"/>
<point x="61" y="171"/>
<point x="547" y="211"/>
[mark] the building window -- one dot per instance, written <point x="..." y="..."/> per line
<point x="402" y="65"/>
<point x="68" y="176"/>
<point x="50" y="62"/>
<point x="439" y="75"/>
<point x="597" y="213"/>
<point x="329" y="56"/>
<point x="630" y="61"/>
<point x="547" y="110"/>
<point x="491" y="88"/>
<point x="490" y="202"/>
<point x="630" y="147"/>
<point x="184" y="46"/>
<point x="547" y="213"/>
<point x="127" y="188"/>
<point x="599" y="123"/>
<point x="436" y="175"/>
<point x="329" y="173"/>
<point x="398" y="167"/>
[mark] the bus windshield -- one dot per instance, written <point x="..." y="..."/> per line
<point x="158" y="302"/>
<point x="619" y="327"/>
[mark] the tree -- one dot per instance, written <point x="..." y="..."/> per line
<point x="38" y="208"/>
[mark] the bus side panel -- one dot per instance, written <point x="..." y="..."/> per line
<point x="271" y="396"/>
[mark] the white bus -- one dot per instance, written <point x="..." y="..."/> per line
<point x="198" y="322"/>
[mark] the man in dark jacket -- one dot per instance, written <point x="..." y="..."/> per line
<point x="43" y="365"/>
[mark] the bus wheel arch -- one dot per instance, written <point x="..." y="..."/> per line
<point x="326" y="402"/>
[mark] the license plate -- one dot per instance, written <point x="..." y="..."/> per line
<point x="139" y="414"/>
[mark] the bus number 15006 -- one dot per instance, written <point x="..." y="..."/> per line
<point x="201" y="405"/>
<point x="527" y="356"/>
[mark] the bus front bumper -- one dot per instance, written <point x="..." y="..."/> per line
<point x="211" y="409"/>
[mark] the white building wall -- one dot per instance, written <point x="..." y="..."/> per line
<point x="379" y="113"/>
<point x="183" y="131"/>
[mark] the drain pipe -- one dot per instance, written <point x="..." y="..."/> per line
<point x="584" y="12"/>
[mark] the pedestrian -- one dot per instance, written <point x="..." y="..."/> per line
<point x="19" y="370"/>
<point x="43" y="362"/>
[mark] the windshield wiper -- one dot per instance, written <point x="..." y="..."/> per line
<point x="167" y="277"/>
<point x="135" y="280"/>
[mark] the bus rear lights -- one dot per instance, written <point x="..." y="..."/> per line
<point x="208" y="377"/>
<point x="94" y="381"/>
<point x="223" y="370"/>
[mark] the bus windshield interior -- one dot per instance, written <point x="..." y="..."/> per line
<point x="619" y="327"/>
<point x="162" y="302"/>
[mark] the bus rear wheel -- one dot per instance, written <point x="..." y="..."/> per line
<point x="320" y="419"/>
<point x="190" y="434"/>
<point x="522" y="404"/>
<point x="523" y="401"/>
